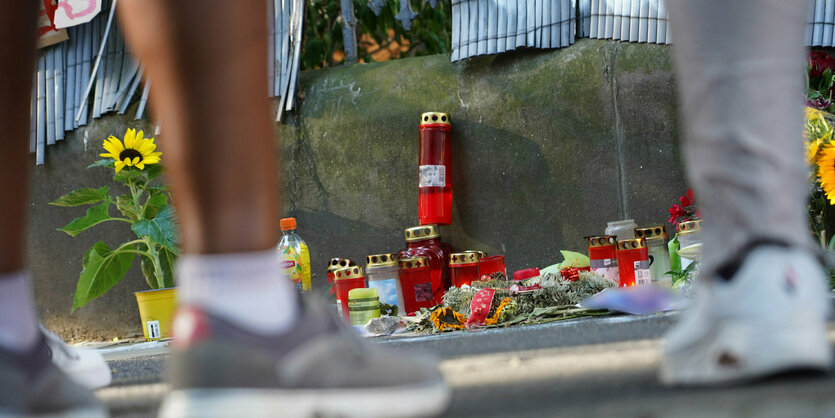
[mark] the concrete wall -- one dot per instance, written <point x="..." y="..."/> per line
<point x="547" y="147"/>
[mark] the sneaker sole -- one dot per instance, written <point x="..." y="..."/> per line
<point x="765" y="353"/>
<point x="402" y="402"/>
<point x="74" y="413"/>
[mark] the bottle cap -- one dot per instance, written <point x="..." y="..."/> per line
<point x="602" y="241"/>
<point x="632" y="244"/>
<point x="414" y="262"/>
<point x="458" y="259"/>
<point x="652" y="232"/>
<point x="434" y="118"/>
<point x="338" y="263"/>
<point x="379" y="260"/>
<point x="348" y="273"/>
<point x="525" y="273"/>
<point x="419" y="233"/>
<point x="287" y="224"/>
<point x="689" y="227"/>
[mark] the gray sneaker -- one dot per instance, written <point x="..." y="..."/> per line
<point x="320" y="368"/>
<point x="30" y="385"/>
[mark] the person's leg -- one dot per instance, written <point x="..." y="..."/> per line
<point x="241" y="326"/>
<point x="29" y="382"/>
<point x="218" y="150"/>
<point x="740" y="70"/>
<point x="18" y="320"/>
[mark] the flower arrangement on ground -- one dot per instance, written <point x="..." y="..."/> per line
<point x="145" y="207"/>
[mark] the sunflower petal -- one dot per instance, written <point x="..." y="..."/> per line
<point x="119" y="166"/>
<point x="140" y="166"/>
<point x="136" y="160"/>
<point x="130" y="136"/>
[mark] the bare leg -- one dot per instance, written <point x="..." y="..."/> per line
<point x="17" y="24"/>
<point x="210" y="94"/>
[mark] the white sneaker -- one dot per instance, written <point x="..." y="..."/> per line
<point x="770" y="318"/>
<point x="86" y="366"/>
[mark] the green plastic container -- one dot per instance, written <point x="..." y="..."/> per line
<point x="363" y="305"/>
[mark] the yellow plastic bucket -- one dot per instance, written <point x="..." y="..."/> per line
<point x="156" y="309"/>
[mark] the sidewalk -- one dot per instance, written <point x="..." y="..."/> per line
<point x="591" y="367"/>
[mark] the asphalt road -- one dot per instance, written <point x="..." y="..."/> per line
<point x="596" y="367"/>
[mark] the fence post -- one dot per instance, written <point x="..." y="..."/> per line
<point x="349" y="31"/>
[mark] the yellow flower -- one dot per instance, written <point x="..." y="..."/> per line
<point x="447" y="319"/>
<point x="826" y="171"/>
<point x="812" y="149"/>
<point x="136" y="151"/>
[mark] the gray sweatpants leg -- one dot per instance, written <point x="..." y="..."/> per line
<point x="740" y="69"/>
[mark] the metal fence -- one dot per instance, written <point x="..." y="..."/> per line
<point x="95" y="61"/>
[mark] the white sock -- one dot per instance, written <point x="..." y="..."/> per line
<point x="245" y="288"/>
<point x="18" y="316"/>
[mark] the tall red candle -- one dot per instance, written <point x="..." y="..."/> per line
<point x="435" y="163"/>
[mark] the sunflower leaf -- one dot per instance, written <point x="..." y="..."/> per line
<point x="107" y="162"/>
<point x="159" y="229"/>
<point x="166" y="261"/>
<point x="126" y="175"/>
<point x="103" y="268"/>
<point x="153" y="170"/>
<point x="82" y="196"/>
<point x="94" y="216"/>
<point x="154" y="204"/>
<point x="125" y="205"/>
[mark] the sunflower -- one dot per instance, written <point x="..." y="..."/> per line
<point x="136" y="151"/>
<point x="447" y="319"/>
<point x="826" y="171"/>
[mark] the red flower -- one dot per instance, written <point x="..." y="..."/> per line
<point x="675" y="212"/>
<point x="570" y="274"/>
<point x="820" y="62"/>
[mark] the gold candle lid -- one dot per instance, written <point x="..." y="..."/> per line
<point x="432" y="118"/>
<point x="632" y="244"/>
<point x="479" y="253"/>
<point x="379" y="260"/>
<point x="603" y="241"/>
<point x="689" y="227"/>
<point x="338" y="263"/>
<point x="414" y="262"/>
<point x="652" y="232"/>
<point x="457" y="259"/>
<point x="418" y="233"/>
<point x="348" y="273"/>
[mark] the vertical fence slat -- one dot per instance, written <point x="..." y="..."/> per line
<point x="492" y="26"/>
<point x="501" y="26"/>
<point x="512" y="19"/>
<point x="59" y="91"/>
<point x="69" y="91"/>
<point x="617" y="24"/>
<point x="41" y="141"/>
<point x="49" y="68"/>
<point x="643" y="21"/>
<point x="661" y="32"/>
<point x="567" y="38"/>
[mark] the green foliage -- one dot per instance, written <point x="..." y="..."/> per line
<point x="83" y="196"/>
<point x="323" y="42"/>
<point x="148" y="211"/>
<point x="94" y="216"/>
<point x="159" y="229"/>
<point x="103" y="268"/>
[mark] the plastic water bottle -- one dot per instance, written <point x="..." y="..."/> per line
<point x="293" y="255"/>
